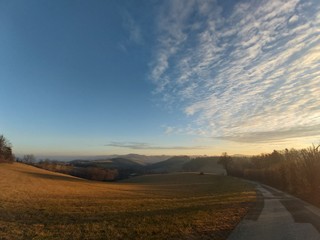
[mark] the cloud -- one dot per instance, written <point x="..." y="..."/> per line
<point x="293" y="19"/>
<point x="253" y="71"/>
<point x="169" y="130"/>
<point x="144" y="146"/>
<point x="171" y="26"/>
<point x="132" y="28"/>
<point x="279" y="134"/>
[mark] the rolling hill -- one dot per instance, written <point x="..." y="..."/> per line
<point x="39" y="204"/>
<point x="204" y="164"/>
<point x="118" y="163"/>
<point x="186" y="164"/>
<point x="173" y="164"/>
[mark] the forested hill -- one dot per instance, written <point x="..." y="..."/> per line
<point x="120" y="168"/>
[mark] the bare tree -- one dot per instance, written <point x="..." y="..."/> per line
<point x="29" y="159"/>
<point x="6" y="154"/>
<point x="225" y="160"/>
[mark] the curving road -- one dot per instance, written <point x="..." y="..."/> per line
<point x="278" y="216"/>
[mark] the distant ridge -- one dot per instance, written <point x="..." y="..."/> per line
<point x="136" y="157"/>
<point x="173" y="164"/>
<point x="113" y="163"/>
<point x="204" y="164"/>
<point x="186" y="164"/>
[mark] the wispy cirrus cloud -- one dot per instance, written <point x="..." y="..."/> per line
<point x="146" y="146"/>
<point x="279" y="134"/>
<point x="242" y="73"/>
<point x="133" y="31"/>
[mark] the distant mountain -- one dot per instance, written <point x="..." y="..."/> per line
<point x="136" y="165"/>
<point x="204" y="164"/>
<point x="143" y="159"/>
<point x="186" y="164"/>
<point x="173" y="164"/>
<point x="114" y="163"/>
<point x="146" y="159"/>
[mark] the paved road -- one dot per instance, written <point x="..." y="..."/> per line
<point x="278" y="216"/>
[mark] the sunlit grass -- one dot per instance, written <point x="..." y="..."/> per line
<point x="37" y="204"/>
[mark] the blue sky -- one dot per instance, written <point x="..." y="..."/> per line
<point x="159" y="77"/>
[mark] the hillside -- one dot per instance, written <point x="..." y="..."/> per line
<point x="38" y="204"/>
<point x="143" y="159"/>
<point x="204" y="164"/>
<point x="118" y="163"/>
<point x="120" y="168"/>
<point x="186" y="164"/>
<point x="174" y="164"/>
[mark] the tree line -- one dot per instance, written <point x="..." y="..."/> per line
<point x="293" y="171"/>
<point x="91" y="173"/>
<point x="6" y="154"/>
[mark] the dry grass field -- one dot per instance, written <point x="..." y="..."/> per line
<point x="38" y="204"/>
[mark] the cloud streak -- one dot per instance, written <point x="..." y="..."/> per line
<point x="252" y="71"/>
<point x="146" y="146"/>
<point x="279" y="134"/>
<point x="133" y="31"/>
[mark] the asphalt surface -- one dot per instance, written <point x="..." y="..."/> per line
<point x="278" y="216"/>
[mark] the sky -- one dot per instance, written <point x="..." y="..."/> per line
<point x="185" y="77"/>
